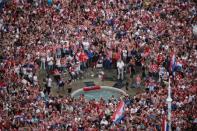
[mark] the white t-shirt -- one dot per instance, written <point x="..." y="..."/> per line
<point x="86" y="45"/>
<point x="58" y="62"/>
<point x="35" y="78"/>
<point x="133" y="110"/>
<point x="104" y="122"/>
<point x="24" y="81"/>
<point x="51" y="61"/>
<point x="28" y="56"/>
<point x="24" y="71"/>
<point x="43" y="59"/>
<point x="30" y="75"/>
<point x="124" y="53"/>
<point x="120" y="64"/>
<point x="49" y="82"/>
<point x="37" y="55"/>
<point x="48" y="58"/>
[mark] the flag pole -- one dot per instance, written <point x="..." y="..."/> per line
<point x="169" y="102"/>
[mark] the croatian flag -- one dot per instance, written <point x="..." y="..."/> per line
<point x="118" y="114"/>
<point x="165" y="126"/>
<point x="179" y="64"/>
<point x="172" y="62"/>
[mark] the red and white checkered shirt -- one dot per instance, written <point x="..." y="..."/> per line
<point x="153" y="68"/>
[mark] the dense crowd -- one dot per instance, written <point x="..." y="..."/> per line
<point x="69" y="36"/>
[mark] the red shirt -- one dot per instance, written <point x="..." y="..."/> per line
<point x="127" y="25"/>
<point x="117" y="56"/>
<point x="160" y="58"/>
<point x="154" y="68"/>
<point x="147" y="51"/>
<point x="83" y="57"/>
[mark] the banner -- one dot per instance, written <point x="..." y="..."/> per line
<point x="89" y="88"/>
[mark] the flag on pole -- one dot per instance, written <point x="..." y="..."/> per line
<point x="165" y="126"/>
<point x="172" y="62"/>
<point x="118" y="114"/>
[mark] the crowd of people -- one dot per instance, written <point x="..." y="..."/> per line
<point x="69" y="36"/>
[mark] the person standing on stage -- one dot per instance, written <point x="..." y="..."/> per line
<point x="120" y="67"/>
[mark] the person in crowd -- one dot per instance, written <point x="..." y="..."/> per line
<point x="35" y="80"/>
<point x="120" y="68"/>
<point x="60" y="84"/>
<point x="48" y="85"/>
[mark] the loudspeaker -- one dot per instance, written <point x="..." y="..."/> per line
<point x="118" y="84"/>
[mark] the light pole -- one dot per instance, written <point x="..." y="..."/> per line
<point x="169" y="101"/>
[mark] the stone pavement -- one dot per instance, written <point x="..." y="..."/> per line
<point x="110" y="79"/>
